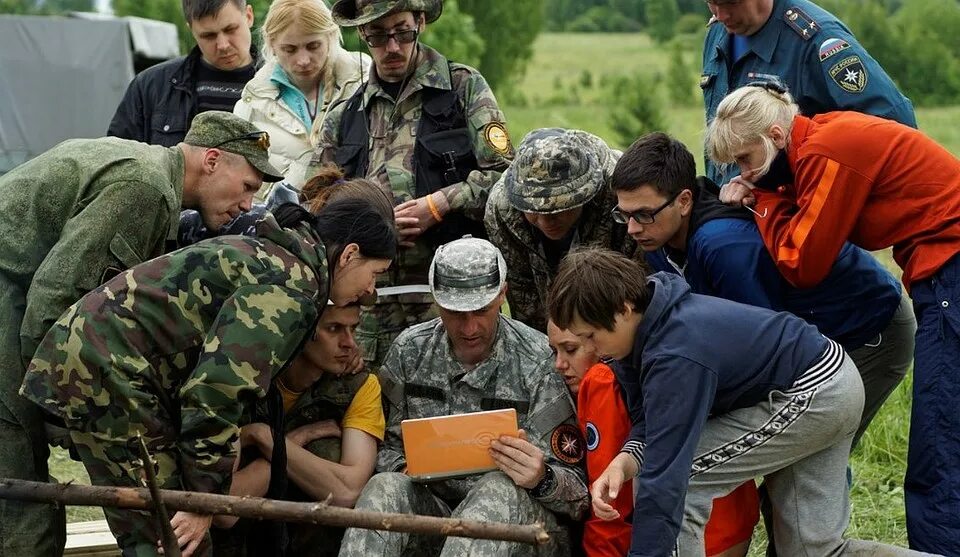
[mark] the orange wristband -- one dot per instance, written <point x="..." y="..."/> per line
<point x="433" y="208"/>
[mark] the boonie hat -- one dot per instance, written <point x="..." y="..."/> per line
<point x="557" y="170"/>
<point x="354" y="13"/>
<point x="467" y="274"/>
<point x="216" y="129"/>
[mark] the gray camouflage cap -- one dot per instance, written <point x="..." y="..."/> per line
<point x="216" y="129"/>
<point x="557" y="170"/>
<point x="467" y="274"/>
<point x="354" y="13"/>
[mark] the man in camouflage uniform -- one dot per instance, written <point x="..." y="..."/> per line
<point x="430" y="132"/>
<point x="468" y="360"/>
<point x="555" y="197"/>
<point x="174" y="349"/>
<point x="73" y="217"/>
<point x="333" y="422"/>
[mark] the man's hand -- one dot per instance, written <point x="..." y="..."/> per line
<point x="408" y="229"/>
<point x="606" y="488"/>
<point x="520" y="459"/>
<point x="257" y="435"/>
<point x="738" y="192"/>
<point x="313" y="431"/>
<point x="190" y="530"/>
<point x="419" y="209"/>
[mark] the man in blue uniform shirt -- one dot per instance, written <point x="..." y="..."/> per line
<point x="801" y="46"/>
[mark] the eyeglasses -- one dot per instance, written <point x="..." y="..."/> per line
<point x="642" y="217"/>
<point x="262" y="138"/>
<point x="772" y="86"/>
<point x="377" y="40"/>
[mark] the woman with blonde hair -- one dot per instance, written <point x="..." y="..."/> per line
<point x="306" y="72"/>
<point x="817" y="182"/>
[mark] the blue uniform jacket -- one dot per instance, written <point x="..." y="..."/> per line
<point x="814" y="55"/>
<point x="677" y="377"/>
<point x="726" y="258"/>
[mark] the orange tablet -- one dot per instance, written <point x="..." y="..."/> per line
<point x="444" y="447"/>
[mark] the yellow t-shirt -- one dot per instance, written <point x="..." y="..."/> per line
<point x="364" y="413"/>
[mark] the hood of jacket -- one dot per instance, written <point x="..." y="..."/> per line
<point x="668" y="289"/>
<point x="707" y="207"/>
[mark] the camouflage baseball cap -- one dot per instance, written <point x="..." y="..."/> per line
<point x="557" y="170"/>
<point x="354" y="13"/>
<point x="224" y="131"/>
<point x="467" y="274"/>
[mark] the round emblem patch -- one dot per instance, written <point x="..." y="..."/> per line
<point x="567" y="444"/>
<point x="496" y="137"/>
<point x="593" y="436"/>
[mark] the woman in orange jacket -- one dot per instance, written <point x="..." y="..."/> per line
<point x="818" y="182"/>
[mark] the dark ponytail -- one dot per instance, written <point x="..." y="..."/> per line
<point x="343" y="222"/>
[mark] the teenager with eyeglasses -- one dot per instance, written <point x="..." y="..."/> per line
<point x="430" y="133"/>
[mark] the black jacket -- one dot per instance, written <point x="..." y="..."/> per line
<point x="161" y="102"/>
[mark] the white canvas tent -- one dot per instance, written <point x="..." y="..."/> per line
<point x="62" y="77"/>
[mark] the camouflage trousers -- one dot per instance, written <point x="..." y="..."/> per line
<point x="113" y="462"/>
<point x="494" y="498"/>
<point x="26" y="529"/>
<point x="382" y="323"/>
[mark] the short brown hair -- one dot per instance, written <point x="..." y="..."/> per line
<point x="593" y="285"/>
<point x="657" y="160"/>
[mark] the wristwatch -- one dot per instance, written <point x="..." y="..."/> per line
<point x="546" y="483"/>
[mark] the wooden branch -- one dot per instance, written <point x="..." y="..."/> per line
<point x="269" y="509"/>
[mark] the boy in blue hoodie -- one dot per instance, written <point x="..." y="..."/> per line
<point x="719" y="392"/>
<point x="719" y="251"/>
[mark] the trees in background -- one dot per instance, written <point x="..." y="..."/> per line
<point x="45" y="7"/>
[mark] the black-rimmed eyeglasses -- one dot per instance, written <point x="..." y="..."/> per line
<point x="377" y="40"/>
<point x="641" y="216"/>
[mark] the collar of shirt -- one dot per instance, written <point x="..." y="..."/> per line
<point x="432" y="71"/>
<point x="292" y="96"/>
<point x="763" y="43"/>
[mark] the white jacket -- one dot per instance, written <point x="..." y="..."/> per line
<point x="291" y="143"/>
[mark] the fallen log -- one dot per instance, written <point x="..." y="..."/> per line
<point x="269" y="509"/>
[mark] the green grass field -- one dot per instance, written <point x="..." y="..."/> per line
<point x="558" y="63"/>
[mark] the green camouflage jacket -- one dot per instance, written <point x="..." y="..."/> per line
<point x="421" y="378"/>
<point x="528" y="274"/>
<point x="73" y="216"/>
<point x="178" y="347"/>
<point x="393" y="128"/>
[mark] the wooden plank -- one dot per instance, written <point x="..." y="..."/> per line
<point x="90" y="539"/>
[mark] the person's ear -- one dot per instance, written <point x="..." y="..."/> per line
<point x="212" y="158"/>
<point x="685" y="201"/>
<point x="248" y="15"/>
<point x="349" y="253"/>
<point x="778" y="135"/>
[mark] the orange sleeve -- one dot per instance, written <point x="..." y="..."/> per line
<point x="805" y="235"/>
<point x="605" y="424"/>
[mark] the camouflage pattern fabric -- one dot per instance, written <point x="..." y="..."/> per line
<point x="231" y="133"/>
<point x="175" y="349"/>
<point x="529" y="275"/>
<point x="392" y="131"/>
<point x="421" y="378"/>
<point x="557" y="170"/>
<point x="467" y="274"/>
<point x="352" y="13"/>
<point x="69" y="218"/>
<point x="494" y="498"/>
<point x="327" y="399"/>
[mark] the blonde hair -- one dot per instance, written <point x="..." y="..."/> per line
<point x="313" y="16"/>
<point x="744" y="118"/>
